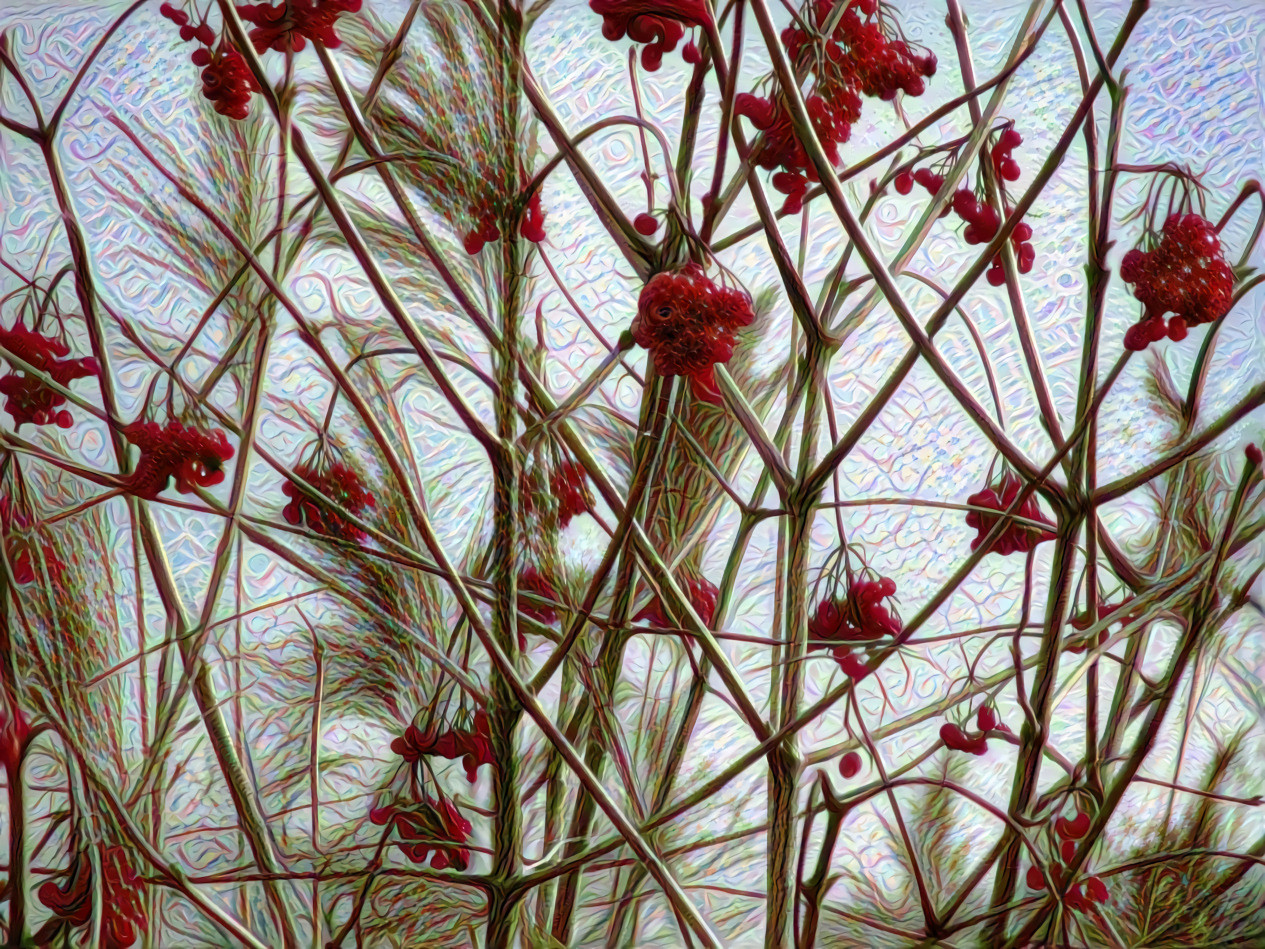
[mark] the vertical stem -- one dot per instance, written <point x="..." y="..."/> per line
<point x="785" y="763"/>
<point x="504" y="710"/>
<point x="17" y="881"/>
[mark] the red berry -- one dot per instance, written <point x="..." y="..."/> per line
<point x="904" y="183"/>
<point x="645" y="224"/>
<point x="996" y="275"/>
<point x="1067" y="850"/>
<point x="850" y="764"/>
<point x="1254" y="456"/>
<point x="1072" y="829"/>
<point x="986" y="718"/>
<point x="1035" y="878"/>
<point x="1096" y="890"/>
<point x="1009" y="139"/>
<point x="1176" y="329"/>
<point x="853" y="666"/>
<point x="1009" y="169"/>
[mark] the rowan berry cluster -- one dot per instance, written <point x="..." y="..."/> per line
<point x="227" y="81"/>
<point x="660" y="24"/>
<point x="338" y="483"/>
<point x="487" y="231"/>
<point x="430" y="826"/>
<point x="858" y="617"/>
<point x="122" y="912"/>
<point x="286" y="26"/>
<point x="702" y="595"/>
<point x="982" y="220"/>
<point x="1185" y="275"/>
<point x="687" y="321"/>
<point x="190" y="455"/>
<point x="865" y="54"/>
<point x="29" y="399"/>
<point x="1017" y="537"/>
<point x="1095" y="891"/>
<point x="532" y="580"/>
<point x="472" y="745"/>
<point x="975" y="742"/>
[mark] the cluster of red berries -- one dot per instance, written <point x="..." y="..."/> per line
<point x="532" y="580"/>
<point x="122" y="912"/>
<point x="865" y="54"/>
<point x="660" y="24"/>
<point x="858" y="617"/>
<point x="702" y="594"/>
<point x="1017" y="537"/>
<point x="1186" y="275"/>
<point x="975" y="743"/>
<point x="28" y="397"/>
<point x="429" y="826"/>
<point x="982" y="221"/>
<point x="568" y="483"/>
<point x="472" y="745"/>
<point x="286" y="26"/>
<point x="342" y="486"/>
<point x="227" y="81"/>
<point x="687" y="321"/>
<point x="21" y="552"/>
<point x="190" y="455"/>
<point x="486" y="230"/>
<point x="1095" y="891"/>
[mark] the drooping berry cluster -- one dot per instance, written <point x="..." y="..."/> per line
<point x="660" y="24"/>
<point x="190" y="455"/>
<point x="1017" y="537"/>
<point x="472" y="745"/>
<point x="1185" y="275"/>
<point x="29" y="399"/>
<point x="858" y="617"/>
<point x="982" y="223"/>
<point x="569" y="484"/>
<point x="976" y="742"/>
<point x="487" y="231"/>
<point x="687" y="321"/>
<point x="342" y="486"/>
<point x="286" y="26"/>
<point x="1095" y="891"/>
<point x="532" y="580"/>
<point x="24" y="551"/>
<point x="702" y="594"/>
<point x="123" y="916"/>
<point x="227" y="81"/>
<point x="430" y="826"/>
<point x="865" y="54"/>
<point x="982" y="220"/>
